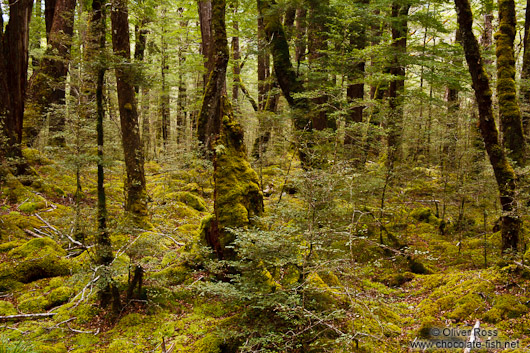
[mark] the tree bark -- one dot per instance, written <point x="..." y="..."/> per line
<point x="397" y="85"/>
<point x="525" y="74"/>
<point x="14" y="44"/>
<point x="48" y="86"/>
<point x="504" y="173"/>
<point x="236" y="57"/>
<point x="205" y="19"/>
<point x="135" y="189"/>
<point x="165" y="112"/>
<point x="509" y="112"/>
<point x="209" y="122"/>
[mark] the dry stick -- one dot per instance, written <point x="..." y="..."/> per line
<point x="21" y="317"/>
<point x="33" y="234"/>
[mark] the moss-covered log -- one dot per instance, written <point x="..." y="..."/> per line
<point x="510" y="114"/>
<point x="504" y="173"/>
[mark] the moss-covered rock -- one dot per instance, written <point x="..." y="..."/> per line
<point x="425" y="214"/>
<point x="59" y="296"/>
<point x="189" y="199"/>
<point x="7" y="308"/>
<point x="30" y="207"/>
<point x="39" y="258"/>
<point x="34" y="305"/>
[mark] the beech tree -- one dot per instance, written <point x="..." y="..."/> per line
<point x="48" y="85"/>
<point x="136" y="194"/>
<point x="504" y="173"/>
<point x="14" y="42"/>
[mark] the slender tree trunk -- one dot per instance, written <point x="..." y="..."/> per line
<point x="301" y="31"/>
<point x="236" y="57"/>
<point x="504" y="173"/>
<point x="14" y="44"/>
<point x="397" y="85"/>
<point x="205" y="19"/>
<point x="136" y="195"/>
<point x="509" y="112"/>
<point x="96" y="47"/>
<point x="49" y="13"/>
<point x="525" y="74"/>
<point x="165" y="94"/>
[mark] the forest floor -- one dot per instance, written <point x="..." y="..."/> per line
<point x="429" y="281"/>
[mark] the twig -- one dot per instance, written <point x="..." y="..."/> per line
<point x="33" y="234"/>
<point x="472" y="337"/>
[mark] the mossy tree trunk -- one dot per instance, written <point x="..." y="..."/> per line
<point x="48" y="86"/>
<point x="510" y="114"/>
<point x="135" y="189"/>
<point x="14" y="42"/>
<point x="209" y="122"/>
<point x="525" y="73"/>
<point x="504" y="173"/>
<point x="237" y="196"/>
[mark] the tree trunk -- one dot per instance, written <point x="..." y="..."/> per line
<point x="504" y="174"/>
<point x="165" y="112"/>
<point x="509" y="112"/>
<point x="205" y="19"/>
<point x="136" y="195"/>
<point x="236" y="56"/>
<point x="525" y="74"/>
<point x="14" y="44"/>
<point x="237" y="196"/>
<point x="209" y="122"/>
<point x="397" y="85"/>
<point x="48" y="86"/>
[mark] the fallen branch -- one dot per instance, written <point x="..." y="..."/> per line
<point x="472" y="337"/>
<point x="22" y="317"/>
<point x="33" y="234"/>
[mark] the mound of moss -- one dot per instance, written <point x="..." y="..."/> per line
<point x="39" y="258"/>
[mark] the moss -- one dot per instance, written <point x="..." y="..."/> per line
<point x="426" y="326"/>
<point x="9" y="245"/>
<point x="237" y="193"/>
<point x="39" y="258"/>
<point x="30" y="207"/>
<point x="60" y="296"/>
<point x="173" y="275"/>
<point x="34" y="305"/>
<point x="424" y="214"/>
<point x="189" y="199"/>
<point x="506" y="306"/>
<point x="7" y="308"/>
<point x="192" y="187"/>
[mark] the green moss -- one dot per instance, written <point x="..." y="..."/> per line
<point x="173" y="275"/>
<point x="60" y="296"/>
<point x="424" y="214"/>
<point x="6" y="308"/>
<point x="425" y="329"/>
<point x="506" y="307"/>
<point x="9" y="245"/>
<point x="30" y="207"/>
<point x="34" y="305"/>
<point x="189" y="199"/>
<point x="39" y="258"/>
<point x="237" y="193"/>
